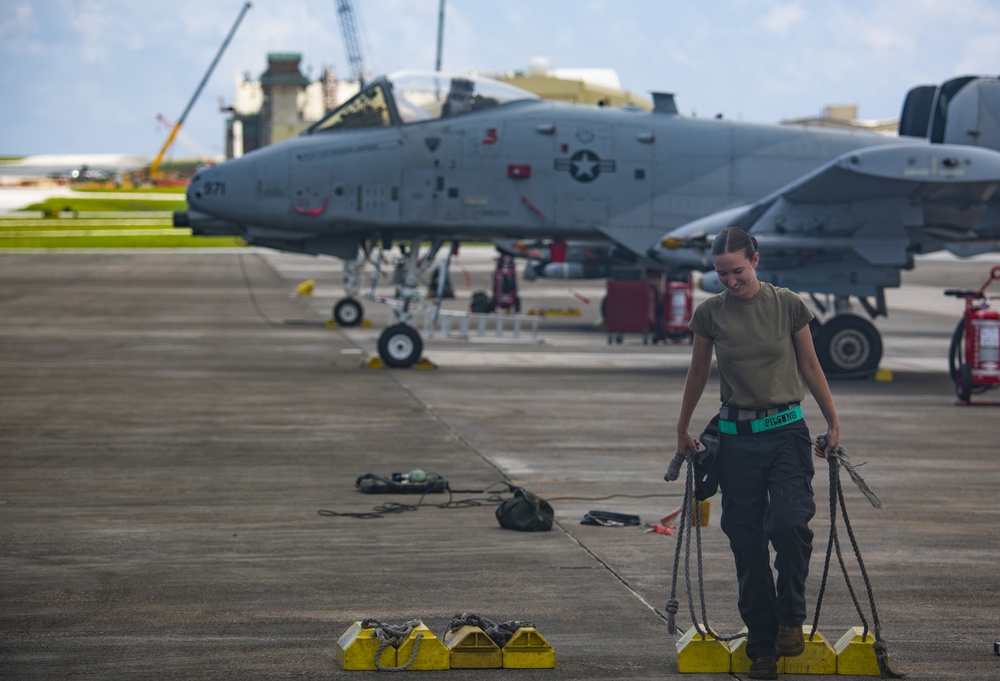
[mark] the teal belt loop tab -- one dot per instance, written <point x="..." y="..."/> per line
<point x="727" y="427"/>
<point x="776" y="420"/>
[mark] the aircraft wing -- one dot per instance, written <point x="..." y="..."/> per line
<point x="848" y="227"/>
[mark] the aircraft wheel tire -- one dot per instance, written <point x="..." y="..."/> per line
<point x="963" y="383"/>
<point x="849" y="346"/>
<point x="955" y="350"/>
<point x="348" y="312"/>
<point x="400" y="346"/>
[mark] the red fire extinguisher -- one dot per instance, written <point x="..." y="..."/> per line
<point x="677" y="311"/>
<point x="974" y="356"/>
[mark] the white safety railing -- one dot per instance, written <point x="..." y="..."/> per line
<point x="461" y="325"/>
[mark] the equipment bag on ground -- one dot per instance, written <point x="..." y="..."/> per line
<point x="526" y="512"/>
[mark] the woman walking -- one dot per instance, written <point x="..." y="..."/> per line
<point x="760" y="335"/>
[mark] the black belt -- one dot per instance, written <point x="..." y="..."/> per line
<point x="729" y="412"/>
<point x="777" y="419"/>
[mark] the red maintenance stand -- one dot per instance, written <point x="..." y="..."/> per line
<point x="657" y="308"/>
<point x="632" y="305"/>
<point x="974" y="355"/>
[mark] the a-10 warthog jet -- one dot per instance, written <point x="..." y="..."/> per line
<point x="433" y="158"/>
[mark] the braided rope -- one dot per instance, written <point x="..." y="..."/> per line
<point x="499" y="633"/>
<point x="836" y="459"/>
<point x="393" y="635"/>
<point x="687" y="519"/>
<point x="672" y="602"/>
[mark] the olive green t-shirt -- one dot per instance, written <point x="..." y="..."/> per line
<point x="753" y="345"/>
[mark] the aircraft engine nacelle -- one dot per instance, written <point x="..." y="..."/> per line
<point x="964" y="110"/>
<point x="973" y="116"/>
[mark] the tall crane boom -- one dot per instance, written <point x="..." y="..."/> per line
<point x="349" y="29"/>
<point x="180" y="121"/>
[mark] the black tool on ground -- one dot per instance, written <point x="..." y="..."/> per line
<point x="375" y="484"/>
<point x="414" y="482"/>
<point x="609" y="519"/>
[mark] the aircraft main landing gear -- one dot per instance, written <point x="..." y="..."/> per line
<point x="848" y="346"/>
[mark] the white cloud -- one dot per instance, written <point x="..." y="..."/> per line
<point x="783" y="17"/>
<point x="19" y="30"/>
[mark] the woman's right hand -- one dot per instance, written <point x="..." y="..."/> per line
<point x="686" y="443"/>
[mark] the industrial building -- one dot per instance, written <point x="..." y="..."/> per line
<point x="281" y="104"/>
<point x="845" y="117"/>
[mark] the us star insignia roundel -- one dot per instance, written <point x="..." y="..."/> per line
<point x="585" y="166"/>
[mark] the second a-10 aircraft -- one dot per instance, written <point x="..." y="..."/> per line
<point x="431" y="158"/>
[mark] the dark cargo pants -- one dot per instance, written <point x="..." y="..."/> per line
<point x="766" y="483"/>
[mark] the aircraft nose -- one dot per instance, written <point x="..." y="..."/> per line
<point x="252" y="189"/>
<point x="204" y="186"/>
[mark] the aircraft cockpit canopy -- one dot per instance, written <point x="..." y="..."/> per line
<point x="413" y="97"/>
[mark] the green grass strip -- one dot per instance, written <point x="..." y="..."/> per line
<point x="132" y="241"/>
<point x="80" y="205"/>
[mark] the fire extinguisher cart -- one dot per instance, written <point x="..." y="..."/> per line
<point x="677" y="302"/>
<point x="505" y="296"/>
<point x="974" y="354"/>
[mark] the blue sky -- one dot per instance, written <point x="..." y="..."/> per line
<point x="90" y="76"/>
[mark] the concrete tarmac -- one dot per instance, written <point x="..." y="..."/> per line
<point x="167" y="442"/>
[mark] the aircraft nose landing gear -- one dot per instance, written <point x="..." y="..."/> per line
<point x="400" y="346"/>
